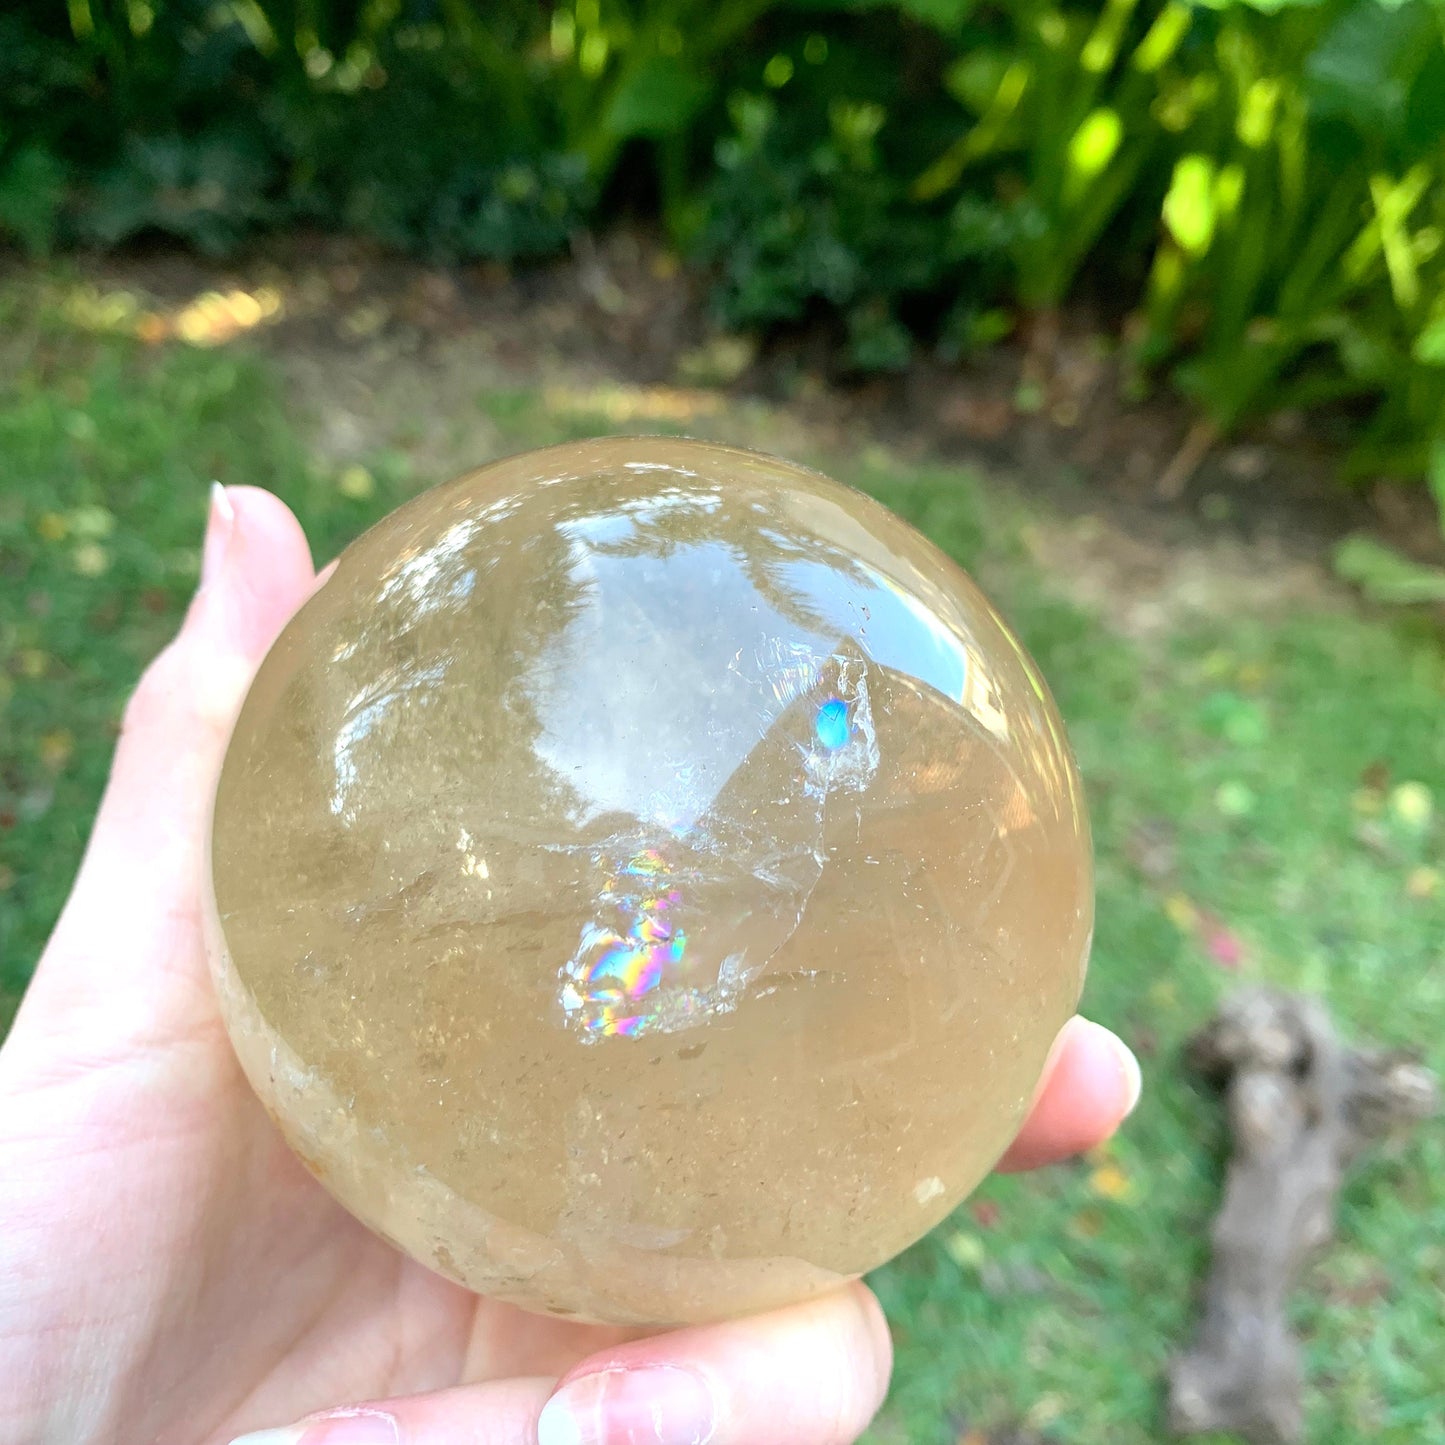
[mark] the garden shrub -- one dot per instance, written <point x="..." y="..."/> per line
<point x="1260" y="187"/>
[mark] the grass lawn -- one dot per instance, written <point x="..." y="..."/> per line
<point x="1266" y="795"/>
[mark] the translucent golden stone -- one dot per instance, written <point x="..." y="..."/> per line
<point x="648" y="879"/>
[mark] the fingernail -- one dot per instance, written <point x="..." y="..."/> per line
<point x="220" y="523"/>
<point x="663" y="1405"/>
<point x="1133" y="1078"/>
<point x="335" y="1427"/>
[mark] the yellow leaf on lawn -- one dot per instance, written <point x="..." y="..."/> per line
<point x="357" y="483"/>
<point x="56" y="748"/>
<point x="1108" y="1181"/>
<point x="90" y="559"/>
<point x="964" y="1249"/>
<point x="1423" y="883"/>
<point x="1044" y="1411"/>
<point x="1181" y="912"/>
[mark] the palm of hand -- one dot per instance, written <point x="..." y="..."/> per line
<point x="228" y="1239"/>
<point x="171" y="1272"/>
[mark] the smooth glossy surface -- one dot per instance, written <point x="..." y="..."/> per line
<point x="648" y="880"/>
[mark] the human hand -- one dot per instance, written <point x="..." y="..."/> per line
<point x="169" y="1273"/>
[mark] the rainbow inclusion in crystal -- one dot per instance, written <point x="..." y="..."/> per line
<point x="624" y="969"/>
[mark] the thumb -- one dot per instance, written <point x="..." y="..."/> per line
<point x="130" y="929"/>
<point x="809" y="1374"/>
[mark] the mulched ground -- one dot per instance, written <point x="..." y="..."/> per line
<point x="1047" y="410"/>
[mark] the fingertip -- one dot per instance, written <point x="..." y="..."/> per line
<point x="220" y="520"/>
<point x="875" y="1323"/>
<point x="258" y="503"/>
<point x="1091" y="1085"/>
<point x="812" y="1374"/>
<point x="1128" y="1065"/>
<point x="268" y="543"/>
<point x="1099" y="1065"/>
<point x="256" y="571"/>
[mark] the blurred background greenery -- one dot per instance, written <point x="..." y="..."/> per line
<point x="1252" y="192"/>
<point x="1245" y="200"/>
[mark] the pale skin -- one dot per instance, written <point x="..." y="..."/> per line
<point x="170" y="1274"/>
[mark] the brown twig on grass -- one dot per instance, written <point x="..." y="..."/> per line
<point x="1302" y="1106"/>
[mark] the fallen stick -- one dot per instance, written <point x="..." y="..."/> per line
<point x="1302" y="1106"/>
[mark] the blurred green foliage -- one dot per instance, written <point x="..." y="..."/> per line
<point x="1255" y="190"/>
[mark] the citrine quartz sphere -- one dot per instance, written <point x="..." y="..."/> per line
<point x="648" y="879"/>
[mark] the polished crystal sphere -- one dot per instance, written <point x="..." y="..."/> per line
<point x="648" y="879"/>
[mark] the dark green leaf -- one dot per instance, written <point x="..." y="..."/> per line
<point x="655" y="98"/>
<point x="32" y="192"/>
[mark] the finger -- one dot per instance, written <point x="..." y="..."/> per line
<point x="1090" y="1086"/>
<point x="811" y="1374"/>
<point x="257" y="572"/>
<point x="137" y="892"/>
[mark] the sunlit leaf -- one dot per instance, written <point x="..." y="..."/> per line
<point x="1102" y="46"/>
<point x="1094" y="145"/>
<point x="1189" y="205"/>
<point x="1163" y="37"/>
<point x="1394" y="201"/>
<point x="778" y="71"/>
<point x="1257" y="111"/>
<point x="1429" y="346"/>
